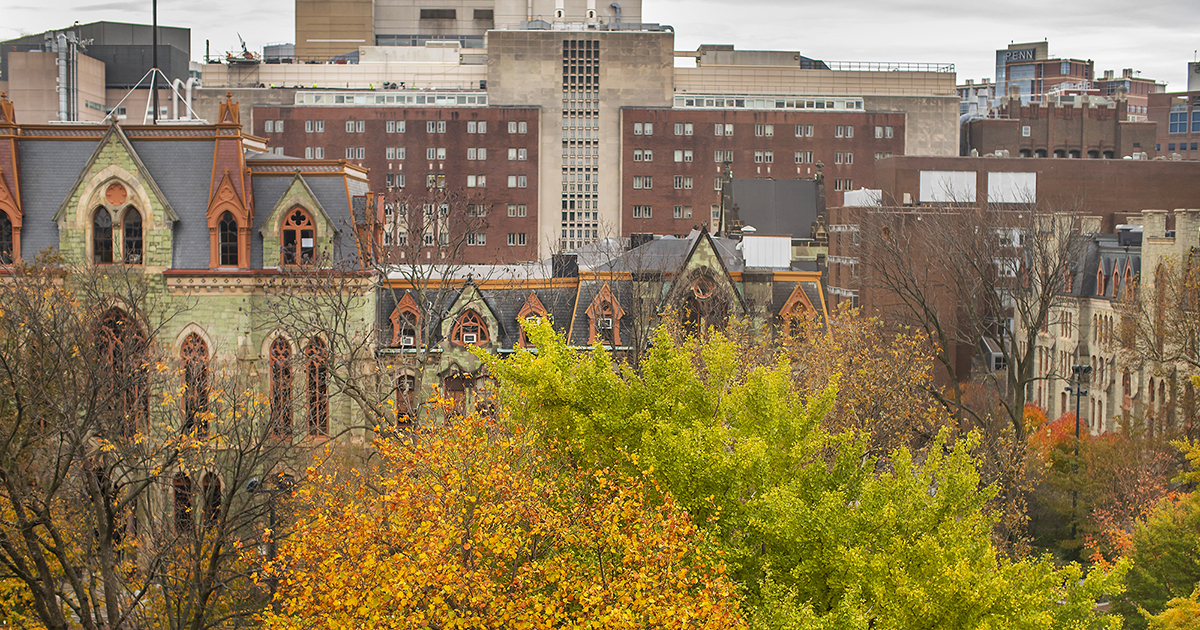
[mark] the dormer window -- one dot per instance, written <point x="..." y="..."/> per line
<point x="227" y="234"/>
<point x="469" y="330"/>
<point x="530" y="311"/>
<point x="7" y="240"/>
<point x="406" y="323"/>
<point x="1101" y="281"/>
<point x="298" y="241"/>
<point x="604" y="317"/>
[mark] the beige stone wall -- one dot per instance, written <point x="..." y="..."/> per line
<point x="33" y="86"/>
<point x="350" y="21"/>
<point x="931" y="122"/>
<point x="782" y="80"/>
<point x="425" y="75"/>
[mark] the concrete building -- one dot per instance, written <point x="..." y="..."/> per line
<point x="85" y="72"/>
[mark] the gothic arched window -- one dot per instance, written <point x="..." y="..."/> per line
<point x="298" y="241"/>
<point x="227" y="233"/>
<point x="102" y="237"/>
<point x="194" y="353"/>
<point x="281" y="387"/>
<point x="469" y="330"/>
<point x="318" y="387"/>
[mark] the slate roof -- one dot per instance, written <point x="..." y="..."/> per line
<point x="182" y="170"/>
<point x="667" y="255"/>
<point x="777" y="206"/>
<point x="48" y="170"/>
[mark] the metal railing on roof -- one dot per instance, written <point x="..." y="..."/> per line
<point x="890" y="66"/>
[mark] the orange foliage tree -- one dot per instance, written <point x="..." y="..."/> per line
<point x="470" y="525"/>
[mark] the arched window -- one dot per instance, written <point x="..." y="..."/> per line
<point x="6" y="239"/>
<point x="183" y="504"/>
<point x="212" y="499"/>
<point x="194" y="353"/>
<point x="102" y="237"/>
<point x="133" y="237"/>
<point x="123" y="353"/>
<point x="318" y="387"/>
<point x="281" y="387"/>
<point x="298" y="242"/>
<point x="227" y="234"/>
<point x="404" y="327"/>
<point x="469" y="330"/>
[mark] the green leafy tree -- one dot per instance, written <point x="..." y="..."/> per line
<point x="818" y="531"/>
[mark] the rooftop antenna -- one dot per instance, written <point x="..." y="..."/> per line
<point x="154" y="75"/>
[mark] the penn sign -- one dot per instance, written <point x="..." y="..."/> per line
<point x="1025" y="54"/>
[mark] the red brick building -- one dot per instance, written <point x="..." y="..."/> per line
<point x="673" y="160"/>
<point x="1176" y="117"/>
<point x="488" y="152"/>
<point x="1068" y="126"/>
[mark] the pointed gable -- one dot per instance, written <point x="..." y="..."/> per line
<point x="406" y="322"/>
<point x="531" y="308"/>
<point x="470" y="301"/>
<point x="797" y="303"/>
<point x="704" y="276"/>
<point x="604" y="315"/>
<point x="297" y="195"/>
<point x="10" y="185"/>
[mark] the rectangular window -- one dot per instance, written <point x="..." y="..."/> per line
<point x="717" y="155"/>
<point x="649" y="129"/>
<point x="878" y="131"/>
<point x="1064" y="68"/>
<point x="758" y="130"/>
<point x="512" y="154"/>
<point x="839" y="131"/>
<point x="799" y="157"/>
<point x="687" y="183"/>
<point x="1025" y="130"/>
<point x="1196" y="120"/>
<point x="320" y="126"/>
<point x="320" y="153"/>
<point x="683" y="212"/>
<point x="349" y="153"/>
<point x="476" y="239"/>
<point x="308" y="153"/>
<point x="308" y="126"/>
<point x="441" y="153"/>
<point x="521" y="181"/>
<point x="512" y="181"/>
<point x="849" y="157"/>
<point x="729" y="130"/>
<point x="887" y="132"/>
<point x="637" y="182"/>
<point x="360" y="153"/>
<point x="400" y="153"/>
<point x="516" y="239"/>
<point x="360" y="126"/>
<point x="718" y="129"/>
<point x="758" y="157"/>
<point x="679" y="182"/>
<point x="678" y="155"/>
<point x="269" y="127"/>
<point x="1170" y="146"/>
<point x="349" y="126"/>
<point x="522" y="154"/>
<point x="647" y="155"/>
<point x="471" y="125"/>
<point x="716" y="183"/>
<point x="849" y="131"/>
<point x="687" y="155"/>
<point x="431" y="126"/>
<point x="679" y="129"/>
<point x="642" y="212"/>
<point x="637" y="155"/>
<point x="637" y="129"/>
<point x="837" y="157"/>
<point x="389" y="153"/>
<point x="770" y="131"/>
<point x="716" y="212"/>
<point x="438" y="14"/>
<point x="768" y="156"/>
<point x="1178" y="119"/>
<point x="391" y="126"/>
<point x="430" y="153"/>
<point x="687" y="129"/>
<point x="808" y="130"/>
<point x="512" y="126"/>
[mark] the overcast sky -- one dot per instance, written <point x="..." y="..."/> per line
<point x="1157" y="37"/>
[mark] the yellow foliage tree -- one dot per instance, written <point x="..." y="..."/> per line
<point x="470" y="525"/>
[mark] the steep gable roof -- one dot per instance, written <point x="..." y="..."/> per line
<point x="113" y="146"/>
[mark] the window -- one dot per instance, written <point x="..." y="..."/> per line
<point x="758" y="157"/>
<point x="687" y="183"/>
<point x="269" y="127"/>
<point x="349" y="153"/>
<point x="395" y="126"/>
<point x="1195" y="121"/>
<point x="469" y="330"/>
<point x="515" y="126"/>
<point x="648" y="128"/>
<point x="679" y="182"/>
<point x="770" y="130"/>
<point x="683" y="212"/>
<point x="476" y="239"/>
<point x="687" y="129"/>
<point x="642" y="212"/>
<point x="132" y="251"/>
<point x="516" y="239"/>
<point x="637" y="129"/>
<point x="679" y="129"/>
<point x="212" y="499"/>
<point x="887" y="132"/>
<point x="838" y="157"/>
<point x="319" y="153"/>
<point x="308" y="126"/>
<point x="7" y="255"/>
<point x="474" y="126"/>
<point x="517" y="210"/>
<point x="298" y="241"/>
<point x="687" y="155"/>
<point x="123" y="348"/>
<point x="319" y="126"/>
<point x="521" y="181"/>
<point x="768" y="156"/>
<point x="1178" y="119"/>
<point x="716" y="212"/>
<point x="678" y="155"/>
<point x="1025" y="131"/>
<point x="476" y="181"/>
<point x="637" y="155"/>
<point x="839" y="131"/>
<point x="183" y="504"/>
<point x="349" y="126"/>
<point x="517" y="154"/>
<point x="647" y="155"/>
<point x="758" y="130"/>
<point x="717" y="183"/>
<point x="308" y="153"/>
<point x="360" y="153"/>
<point x="395" y="180"/>
<point x="318" y="387"/>
<point x="194" y="353"/>
<point x="849" y="131"/>
<point x="281" y="387"/>
<point x="102" y="237"/>
<point x="227" y="240"/>
<point x="643" y="181"/>
<point x="801" y="129"/>
<point x="799" y="157"/>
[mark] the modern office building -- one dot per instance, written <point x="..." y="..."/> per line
<point x="1176" y="116"/>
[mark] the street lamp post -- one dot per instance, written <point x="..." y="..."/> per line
<point x="1078" y="372"/>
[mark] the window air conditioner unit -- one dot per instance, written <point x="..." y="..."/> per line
<point x="470" y="338"/>
<point x="407" y="341"/>
<point x="605" y="323"/>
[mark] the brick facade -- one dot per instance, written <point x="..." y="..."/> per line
<point x="1060" y="130"/>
